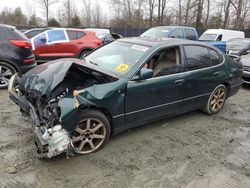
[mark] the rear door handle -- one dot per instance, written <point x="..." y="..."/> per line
<point x="179" y="82"/>
<point x="217" y="74"/>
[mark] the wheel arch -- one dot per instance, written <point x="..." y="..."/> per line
<point x="85" y="49"/>
<point x="4" y="60"/>
<point x="100" y="109"/>
<point x="227" y="85"/>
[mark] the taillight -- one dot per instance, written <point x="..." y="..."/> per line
<point x="21" y="43"/>
<point x="98" y="42"/>
<point x="30" y="60"/>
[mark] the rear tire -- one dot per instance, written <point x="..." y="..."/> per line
<point x="216" y="100"/>
<point x="6" y="72"/>
<point x="84" y="53"/>
<point x="91" y="133"/>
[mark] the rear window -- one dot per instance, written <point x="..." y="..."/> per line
<point x="79" y="34"/>
<point x="215" y="57"/>
<point x="197" y="57"/>
<point x="33" y="33"/>
<point x="74" y="35"/>
<point x="71" y="35"/>
<point x="7" y="33"/>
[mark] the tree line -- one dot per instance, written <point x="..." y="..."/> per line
<point x="203" y="14"/>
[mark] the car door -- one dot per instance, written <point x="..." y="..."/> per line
<point x="204" y="71"/>
<point x="156" y="97"/>
<point x="48" y="44"/>
<point x="74" y="46"/>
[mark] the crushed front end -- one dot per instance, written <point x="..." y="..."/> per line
<point x="46" y="95"/>
<point x="51" y="138"/>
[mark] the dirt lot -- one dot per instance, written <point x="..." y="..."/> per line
<point x="190" y="150"/>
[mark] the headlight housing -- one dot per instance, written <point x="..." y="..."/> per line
<point x="11" y="82"/>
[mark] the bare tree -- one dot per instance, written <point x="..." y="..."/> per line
<point x="45" y="4"/>
<point x="180" y="11"/>
<point x="87" y="7"/>
<point x="199" y="14"/>
<point x="97" y="15"/>
<point x="208" y="12"/>
<point x="151" y="11"/>
<point x="226" y="10"/>
<point x="188" y="7"/>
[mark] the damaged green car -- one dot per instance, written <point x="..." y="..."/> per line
<point x="78" y="104"/>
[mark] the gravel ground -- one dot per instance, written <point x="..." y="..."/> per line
<point x="190" y="150"/>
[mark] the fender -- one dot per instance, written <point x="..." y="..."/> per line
<point x="11" y="62"/>
<point x="70" y="115"/>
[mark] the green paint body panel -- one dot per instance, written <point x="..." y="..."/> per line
<point x="133" y="103"/>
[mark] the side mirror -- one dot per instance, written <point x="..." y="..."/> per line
<point x="145" y="74"/>
<point x="43" y="40"/>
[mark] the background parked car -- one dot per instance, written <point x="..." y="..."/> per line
<point x="238" y="46"/>
<point x="245" y="59"/>
<point x="15" y="54"/>
<point x="190" y="33"/>
<point x="221" y="35"/>
<point x="64" y="43"/>
<point x="104" y="34"/>
<point x="171" y="32"/>
<point x="33" y="32"/>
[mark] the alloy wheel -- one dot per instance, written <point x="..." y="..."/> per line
<point x="5" y="75"/>
<point x="88" y="136"/>
<point x="218" y="99"/>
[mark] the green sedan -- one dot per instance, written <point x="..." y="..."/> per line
<point x="78" y="104"/>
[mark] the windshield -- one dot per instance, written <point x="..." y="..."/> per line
<point x="117" y="57"/>
<point x="208" y="37"/>
<point x="156" y="33"/>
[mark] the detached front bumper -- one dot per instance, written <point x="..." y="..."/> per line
<point x="28" y="108"/>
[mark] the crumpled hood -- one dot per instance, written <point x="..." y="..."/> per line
<point x="45" y="77"/>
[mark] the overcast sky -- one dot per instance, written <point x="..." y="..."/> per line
<point x="32" y="4"/>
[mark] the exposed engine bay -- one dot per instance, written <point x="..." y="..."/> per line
<point x="45" y="112"/>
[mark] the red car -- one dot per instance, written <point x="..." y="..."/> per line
<point x="63" y="43"/>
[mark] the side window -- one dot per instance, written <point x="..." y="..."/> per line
<point x="214" y="57"/>
<point x="79" y="34"/>
<point x="219" y="38"/>
<point x="165" y="62"/>
<point x="39" y="40"/>
<point x="190" y="34"/>
<point x="72" y="35"/>
<point x="56" y="35"/>
<point x="177" y="33"/>
<point x="197" y="57"/>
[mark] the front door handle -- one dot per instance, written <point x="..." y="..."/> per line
<point x="179" y="82"/>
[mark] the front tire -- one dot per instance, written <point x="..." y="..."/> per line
<point x="216" y="100"/>
<point x="6" y="72"/>
<point x="91" y="133"/>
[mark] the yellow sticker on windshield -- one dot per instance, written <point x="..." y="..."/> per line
<point x="122" y="67"/>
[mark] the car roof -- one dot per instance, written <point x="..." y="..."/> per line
<point x="147" y="41"/>
<point x="5" y="25"/>
<point x="171" y="27"/>
<point x="98" y="30"/>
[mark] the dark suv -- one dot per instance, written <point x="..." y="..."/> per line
<point x="15" y="54"/>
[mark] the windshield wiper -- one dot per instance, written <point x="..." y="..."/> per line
<point x="93" y="63"/>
